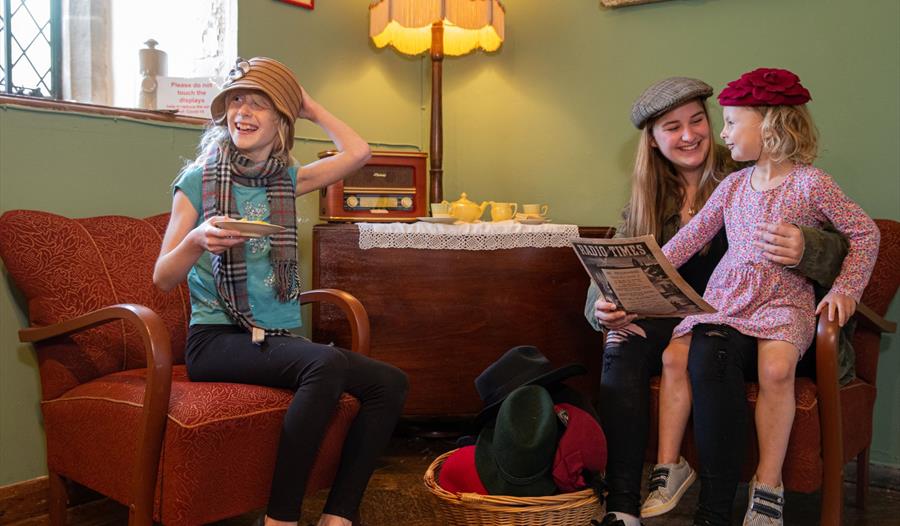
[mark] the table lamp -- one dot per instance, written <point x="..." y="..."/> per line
<point x="443" y="27"/>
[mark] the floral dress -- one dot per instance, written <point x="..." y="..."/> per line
<point x="758" y="297"/>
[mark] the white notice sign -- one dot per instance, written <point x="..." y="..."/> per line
<point x="188" y="96"/>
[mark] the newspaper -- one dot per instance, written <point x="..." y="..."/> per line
<point x="633" y="273"/>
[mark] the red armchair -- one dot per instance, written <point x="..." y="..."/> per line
<point x="120" y="414"/>
<point x="833" y="423"/>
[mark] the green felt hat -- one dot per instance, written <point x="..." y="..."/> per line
<point x="515" y="457"/>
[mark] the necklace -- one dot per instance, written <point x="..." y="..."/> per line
<point x="690" y="207"/>
<point x="689" y="202"/>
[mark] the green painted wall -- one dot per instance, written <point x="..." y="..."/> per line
<point x="544" y="119"/>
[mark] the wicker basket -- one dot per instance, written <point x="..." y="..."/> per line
<point x="466" y="509"/>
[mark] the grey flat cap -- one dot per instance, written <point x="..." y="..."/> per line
<point x="665" y="95"/>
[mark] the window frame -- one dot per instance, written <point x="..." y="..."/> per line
<point x="60" y="100"/>
<point x="55" y="43"/>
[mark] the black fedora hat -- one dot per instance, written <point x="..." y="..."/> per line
<point x="515" y="457"/>
<point x="521" y="365"/>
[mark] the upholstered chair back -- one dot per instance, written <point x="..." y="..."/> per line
<point x="68" y="267"/>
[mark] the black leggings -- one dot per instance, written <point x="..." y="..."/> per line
<point x="317" y="374"/>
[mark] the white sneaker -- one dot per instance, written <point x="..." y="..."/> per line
<point x="766" y="505"/>
<point x="668" y="482"/>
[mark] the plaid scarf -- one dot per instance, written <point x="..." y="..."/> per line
<point x="223" y="167"/>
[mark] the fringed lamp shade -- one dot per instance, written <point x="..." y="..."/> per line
<point x="406" y="25"/>
<point x="441" y="27"/>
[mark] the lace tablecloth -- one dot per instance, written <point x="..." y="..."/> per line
<point x="464" y="236"/>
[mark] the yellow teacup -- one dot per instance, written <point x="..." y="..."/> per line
<point x="503" y="211"/>
<point x="440" y="209"/>
<point x="535" y="210"/>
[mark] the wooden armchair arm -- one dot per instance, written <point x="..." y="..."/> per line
<point x="828" y="389"/>
<point x="352" y="308"/>
<point x="155" y="338"/>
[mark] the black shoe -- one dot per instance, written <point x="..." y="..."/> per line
<point x="608" y="520"/>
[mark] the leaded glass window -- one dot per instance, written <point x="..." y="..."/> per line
<point x="30" y="47"/>
<point x="87" y="51"/>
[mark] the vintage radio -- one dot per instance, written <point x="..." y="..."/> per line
<point x="390" y="187"/>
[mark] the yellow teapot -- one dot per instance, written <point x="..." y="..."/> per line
<point x="465" y="210"/>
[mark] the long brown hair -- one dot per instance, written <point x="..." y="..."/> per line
<point x="655" y="181"/>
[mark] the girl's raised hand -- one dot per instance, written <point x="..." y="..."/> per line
<point x="215" y="239"/>
<point x="610" y="317"/>
<point x="843" y="304"/>
<point x="309" y="107"/>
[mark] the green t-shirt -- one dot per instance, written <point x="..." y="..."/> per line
<point x="205" y="304"/>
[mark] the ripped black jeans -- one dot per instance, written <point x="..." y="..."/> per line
<point x="629" y="361"/>
<point x="720" y="360"/>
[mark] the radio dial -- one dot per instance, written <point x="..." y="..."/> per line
<point x="352" y="201"/>
<point x="406" y="202"/>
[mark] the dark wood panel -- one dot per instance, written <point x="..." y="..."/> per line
<point x="444" y="315"/>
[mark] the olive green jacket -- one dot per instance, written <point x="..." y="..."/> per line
<point x="823" y="254"/>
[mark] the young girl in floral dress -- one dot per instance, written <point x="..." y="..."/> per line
<point x="766" y="121"/>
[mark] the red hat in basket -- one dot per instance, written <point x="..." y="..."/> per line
<point x="765" y="87"/>
<point x="458" y="473"/>
<point x="582" y="447"/>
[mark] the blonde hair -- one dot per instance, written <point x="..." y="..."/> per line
<point x="655" y="180"/>
<point x="789" y="133"/>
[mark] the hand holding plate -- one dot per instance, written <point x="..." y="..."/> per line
<point x="215" y="239"/>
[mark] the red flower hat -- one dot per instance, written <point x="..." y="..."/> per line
<point x="765" y="87"/>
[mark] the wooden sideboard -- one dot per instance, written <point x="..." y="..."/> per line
<point x="443" y="316"/>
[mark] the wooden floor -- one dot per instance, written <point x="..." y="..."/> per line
<point x="396" y="496"/>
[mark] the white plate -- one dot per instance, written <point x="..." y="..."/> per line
<point x="445" y="220"/>
<point x="520" y="215"/>
<point x="532" y="221"/>
<point x="250" y="228"/>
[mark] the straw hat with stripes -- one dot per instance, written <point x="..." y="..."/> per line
<point x="268" y="76"/>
